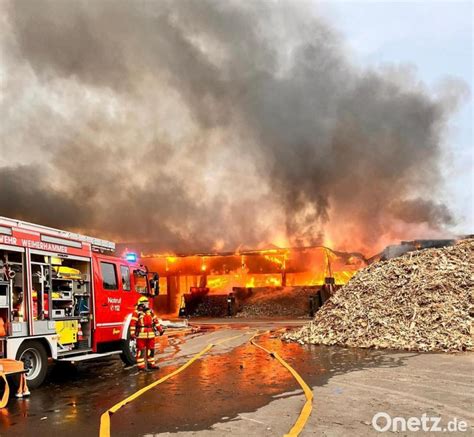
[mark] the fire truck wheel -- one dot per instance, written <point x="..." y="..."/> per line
<point x="129" y="350"/>
<point x="35" y="358"/>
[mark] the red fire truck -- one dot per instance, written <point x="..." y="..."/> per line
<point x="65" y="297"/>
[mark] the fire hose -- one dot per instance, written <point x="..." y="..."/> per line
<point x="295" y="430"/>
<point x="105" y="418"/>
<point x="6" y="392"/>
<point x="308" y="406"/>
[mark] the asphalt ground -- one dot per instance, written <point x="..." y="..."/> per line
<point x="238" y="389"/>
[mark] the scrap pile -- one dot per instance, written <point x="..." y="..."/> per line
<point x="211" y="306"/>
<point x="421" y="301"/>
<point x="271" y="302"/>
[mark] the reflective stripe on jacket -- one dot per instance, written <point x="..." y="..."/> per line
<point x="144" y="324"/>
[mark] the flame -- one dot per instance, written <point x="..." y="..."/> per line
<point x="274" y="281"/>
<point x="217" y="282"/>
<point x="280" y="240"/>
<point x="273" y="268"/>
<point x="275" y="259"/>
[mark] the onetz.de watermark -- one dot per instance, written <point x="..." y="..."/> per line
<point x="383" y="422"/>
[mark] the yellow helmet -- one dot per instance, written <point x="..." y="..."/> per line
<point x="142" y="301"/>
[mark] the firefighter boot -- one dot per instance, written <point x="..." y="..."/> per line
<point x="151" y="364"/>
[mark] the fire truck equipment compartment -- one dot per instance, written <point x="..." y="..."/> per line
<point x="67" y="331"/>
<point x="67" y="272"/>
<point x="4" y="293"/>
<point x="59" y="313"/>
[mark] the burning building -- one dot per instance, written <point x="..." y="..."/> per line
<point x="273" y="268"/>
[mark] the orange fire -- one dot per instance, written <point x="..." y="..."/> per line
<point x="275" y="267"/>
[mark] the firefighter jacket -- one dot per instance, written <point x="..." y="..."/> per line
<point x="145" y="324"/>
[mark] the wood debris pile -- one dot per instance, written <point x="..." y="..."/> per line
<point x="421" y="301"/>
<point x="271" y="302"/>
<point x="211" y="306"/>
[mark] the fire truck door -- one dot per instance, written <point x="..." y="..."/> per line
<point x="109" y="300"/>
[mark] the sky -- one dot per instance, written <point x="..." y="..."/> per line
<point x="435" y="39"/>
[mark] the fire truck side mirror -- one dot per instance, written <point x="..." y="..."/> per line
<point x="155" y="285"/>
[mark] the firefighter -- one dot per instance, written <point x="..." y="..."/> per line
<point x="145" y="327"/>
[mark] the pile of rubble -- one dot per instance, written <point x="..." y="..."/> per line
<point x="271" y="302"/>
<point x="211" y="306"/>
<point x="421" y="301"/>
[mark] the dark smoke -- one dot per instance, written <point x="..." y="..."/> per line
<point x="422" y="211"/>
<point x="25" y="194"/>
<point x="210" y="124"/>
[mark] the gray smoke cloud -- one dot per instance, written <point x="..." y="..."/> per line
<point x="208" y="125"/>
<point x="422" y="211"/>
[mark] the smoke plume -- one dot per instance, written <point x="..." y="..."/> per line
<point x="209" y="125"/>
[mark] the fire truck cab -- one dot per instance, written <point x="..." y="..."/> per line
<point x="65" y="297"/>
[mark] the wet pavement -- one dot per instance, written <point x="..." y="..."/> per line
<point x="236" y="378"/>
<point x="217" y="386"/>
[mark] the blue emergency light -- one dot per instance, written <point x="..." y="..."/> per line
<point x="131" y="257"/>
